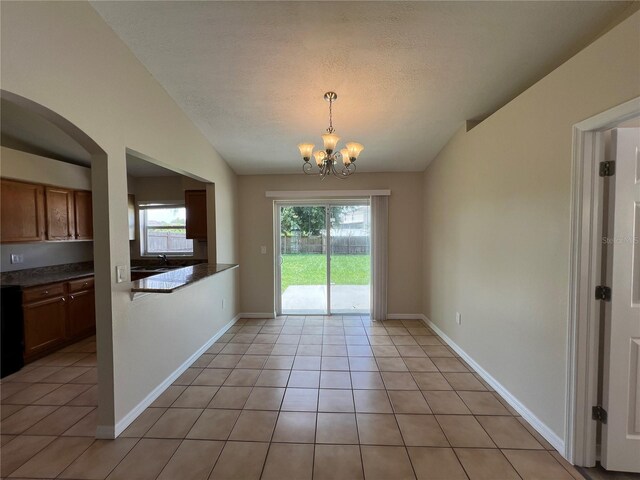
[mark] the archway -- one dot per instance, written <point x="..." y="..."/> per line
<point x="101" y="251"/>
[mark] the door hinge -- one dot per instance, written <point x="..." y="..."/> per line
<point x="599" y="414"/>
<point x="603" y="293"/>
<point x="608" y="168"/>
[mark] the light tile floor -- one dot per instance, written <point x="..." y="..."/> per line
<point x="287" y="398"/>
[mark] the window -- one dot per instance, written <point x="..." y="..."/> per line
<point x="164" y="230"/>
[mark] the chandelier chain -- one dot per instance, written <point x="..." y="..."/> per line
<point x="330" y="129"/>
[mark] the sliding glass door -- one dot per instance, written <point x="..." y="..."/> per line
<point x="350" y="258"/>
<point x="324" y="263"/>
<point x="303" y="259"/>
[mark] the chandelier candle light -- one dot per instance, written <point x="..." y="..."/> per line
<point x="328" y="160"/>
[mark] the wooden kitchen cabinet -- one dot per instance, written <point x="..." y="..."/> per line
<point x="82" y="307"/>
<point x="195" y="202"/>
<point x="32" y="213"/>
<point x="82" y="319"/>
<point x="23" y="212"/>
<point x="60" y="213"/>
<point x="56" y="315"/>
<point x="45" y="326"/>
<point x="83" y="215"/>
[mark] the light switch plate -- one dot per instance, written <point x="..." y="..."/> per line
<point x="121" y="273"/>
<point x="458" y="318"/>
<point x="17" y="258"/>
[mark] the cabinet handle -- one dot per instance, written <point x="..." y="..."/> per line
<point x="72" y="297"/>
<point x="63" y="299"/>
<point x="46" y="292"/>
<point x="85" y="284"/>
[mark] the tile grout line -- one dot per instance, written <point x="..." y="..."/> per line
<point x="279" y="411"/>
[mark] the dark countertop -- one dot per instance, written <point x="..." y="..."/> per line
<point x="171" y="281"/>
<point x="33" y="277"/>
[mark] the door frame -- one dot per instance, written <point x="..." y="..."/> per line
<point x="326" y="203"/>
<point x="584" y="272"/>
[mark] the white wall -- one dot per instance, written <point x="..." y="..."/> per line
<point x="497" y="223"/>
<point x="17" y="165"/>
<point x="405" y="233"/>
<point x="62" y="55"/>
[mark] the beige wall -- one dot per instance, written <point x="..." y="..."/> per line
<point x="18" y="165"/>
<point x="497" y="222"/>
<point x="24" y="166"/>
<point x="405" y="233"/>
<point x="63" y="56"/>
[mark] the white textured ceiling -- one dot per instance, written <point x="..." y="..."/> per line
<point x="251" y="75"/>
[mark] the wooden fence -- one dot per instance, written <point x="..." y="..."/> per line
<point x="168" y="242"/>
<point x="348" y="245"/>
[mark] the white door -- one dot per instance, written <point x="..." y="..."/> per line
<point x="621" y="433"/>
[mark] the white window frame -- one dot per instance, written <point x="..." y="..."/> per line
<point x="143" y="208"/>
<point x="325" y="202"/>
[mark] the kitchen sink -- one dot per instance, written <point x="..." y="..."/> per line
<point x="164" y="268"/>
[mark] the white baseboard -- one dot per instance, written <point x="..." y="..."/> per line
<point x="110" y="432"/>
<point x="548" y="434"/>
<point x="257" y="315"/>
<point x="404" y="316"/>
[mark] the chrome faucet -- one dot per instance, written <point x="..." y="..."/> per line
<point x="164" y="259"/>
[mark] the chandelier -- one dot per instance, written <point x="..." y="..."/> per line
<point x="329" y="160"/>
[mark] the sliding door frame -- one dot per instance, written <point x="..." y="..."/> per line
<point x="327" y="203"/>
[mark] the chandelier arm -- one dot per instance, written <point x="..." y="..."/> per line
<point x="337" y="174"/>
<point x="349" y="169"/>
<point x="307" y="168"/>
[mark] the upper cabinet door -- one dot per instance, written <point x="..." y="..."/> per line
<point x="23" y="218"/>
<point x="84" y="215"/>
<point x="60" y="214"/>
<point x="195" y="202"/>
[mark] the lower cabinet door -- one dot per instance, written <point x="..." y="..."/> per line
<point x="44" y="325"/>
<point x="82" y="318"/>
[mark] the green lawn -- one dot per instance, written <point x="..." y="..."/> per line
<point x="310" y="269"/>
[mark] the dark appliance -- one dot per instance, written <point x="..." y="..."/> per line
<point x="11" y="334"/>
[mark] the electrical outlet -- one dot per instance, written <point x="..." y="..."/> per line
<point x="17" y="258"/>
<point x="458" y="318"/>
<point x="263" y="249"/>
